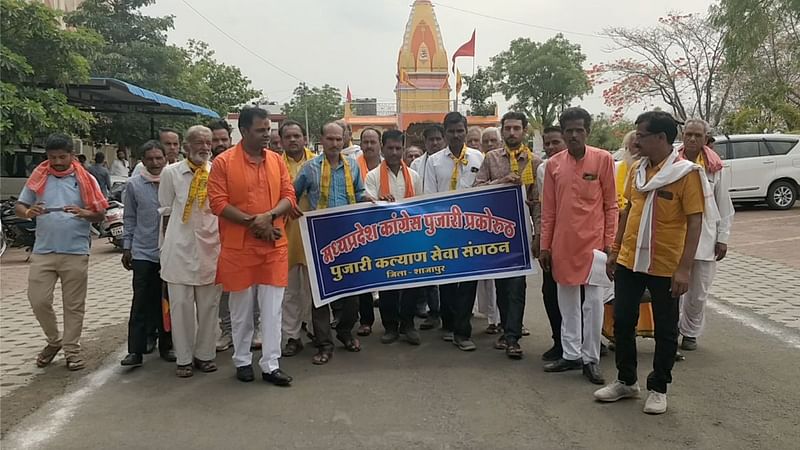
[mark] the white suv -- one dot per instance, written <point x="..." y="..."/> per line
<point x="762" y="167"/>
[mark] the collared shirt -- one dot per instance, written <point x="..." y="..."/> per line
<point x="190" y="250"/>
<point x="354" y="151"/>
<point x="120" y="168"/>
<point x="141" y="219"/>
<point x="58" y="231"/>
<point x="440" y="171"/>
<point x="673" y="203"/>
<point x="497" y="164"/>
<point x="720" y="230"/>
<point x="137" y="169"/>
<point x="102" y="176"/>
<point x="310" y="177"/>
<point x="397" y="183"/>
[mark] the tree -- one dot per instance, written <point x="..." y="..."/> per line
<point x="136" y="51"/>
<point x="323" y="104"/>
<point x="39" y="58"/>
<point x="680" y="61"/>
<point x="607" y="133"/>
<point x="479" y="93"/>
<point x="763" y="40"/>
<point x="541" y="78"/>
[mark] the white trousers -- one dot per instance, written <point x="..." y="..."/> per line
<point x="487" y="301"/>
<point x="241" y="303"/>
<point x="296" y="303"/>
<point x="193" y="312"/>
<point x="579" y="344"/>
<point x="693" y="302"/>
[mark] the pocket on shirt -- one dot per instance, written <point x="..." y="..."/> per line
<point x="589" y="189"/>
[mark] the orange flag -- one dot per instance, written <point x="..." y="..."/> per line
<point x="467" y="49"/>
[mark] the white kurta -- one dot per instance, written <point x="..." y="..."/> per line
<point x="440" y="171"/>
<point x="716" y="230"/>
<point x="397" y="183"/>
<point x="190" y="250"/>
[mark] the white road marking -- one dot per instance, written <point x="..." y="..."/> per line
<point x="36" y="429"/>
<point x="761" y="325"/>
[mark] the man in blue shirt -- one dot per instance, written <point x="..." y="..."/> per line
<point x="141" y="254"/>
<point x="103" y="176"/>
<point x="344" y="187"/>
<point x="64" y="198"/>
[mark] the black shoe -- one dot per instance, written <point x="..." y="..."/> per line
<point x="389" y="337"/>
<point x="277" y="377"/>
<point x="245" y="373"/>
<point x="293" y="347"/>
<point x="592" y="372"/>
<point x="421" y="312"/>
<point x="430" y="323"/>
<point x="554" y="354"/>
<point x="151" y="345"/>
<point x="132" y="360"/>
<point x="412" y="337"/>
<point x="563" y="365"/>
<point x="689" y="343"/>
<point x="168" y="356"/>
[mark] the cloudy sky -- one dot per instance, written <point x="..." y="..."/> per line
<point x="355" y="42"/>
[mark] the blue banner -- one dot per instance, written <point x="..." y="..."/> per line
<point x="476" y="234"/>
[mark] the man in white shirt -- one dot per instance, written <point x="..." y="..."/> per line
<point x="121" y="167"/>
<point x="455" y="169"/>
<point x="189" y="255"/>
<point x="713" y="245"/>
<point x="393" y="180"/>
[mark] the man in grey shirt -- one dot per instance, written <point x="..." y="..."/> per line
<point x="141" y="254"/>
<point x="99" y="171"/>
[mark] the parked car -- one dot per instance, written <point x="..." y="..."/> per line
<point x="762" y="167"/>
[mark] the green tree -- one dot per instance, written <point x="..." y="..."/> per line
<point x="541" y="78"/>
<point x="322" y="104"/>
<point x="479" y="93"/>
<point x="38" y="58"/>
<point x="607" y="133"/>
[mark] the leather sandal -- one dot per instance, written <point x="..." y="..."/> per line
<point x="205" y="366"/>
<point x="322" y="357"/>
<point x="75" y="363"/>
<point x="184" y="371"/>
<point x="46" y="356"/>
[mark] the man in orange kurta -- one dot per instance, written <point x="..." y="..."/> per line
<point x="579" y="216"/>
<point x="250" y="191"/>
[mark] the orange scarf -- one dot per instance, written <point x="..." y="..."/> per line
<point x="713" y="163"/>
<point x="406" y="176"/>
<point x="363" y="168"/>
<point x="92" y="196"/>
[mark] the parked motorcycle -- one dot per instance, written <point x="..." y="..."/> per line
<point x="17" y="232"/>
<point x="111" y="226"/>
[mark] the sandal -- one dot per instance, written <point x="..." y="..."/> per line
<point x="493" y="329"/>
<point x="205" y="366"/>
<point x="526" y="331"/>
<point x="514" y="351"/>
<point x="75" y="363"/>
<point x="364" y="330"/>
<point x="501" y="343"/>
<point x="322" y="357"/>
<point x="184" y="371"/>
<point x="46" y="356"/>
<point x="352" y="345"/>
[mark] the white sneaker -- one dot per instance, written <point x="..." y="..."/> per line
<point x="656" y="403"/>
<point x="224" y="342"/>
<point x="616" y="391"/>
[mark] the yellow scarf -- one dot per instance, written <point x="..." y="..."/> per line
<point x="197" y="190"/>
<point x="457" y="161"/>
<point x="527" y="174"/>
<point x="308" y="156"/>
<point x="700" y="160"/>
<point x="325" y="183"/>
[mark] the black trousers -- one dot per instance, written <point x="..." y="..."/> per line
<point x="629" y="287"/>
<point x="457" y="300"/>
<point x="146" y="308"/>
<point x="366" y="310"/>
<point x="428" y="295"/>
<point x="550" y="298"/>
<point x="345" y="311"/>
<point x="511" y="302"/>
<point x="397" y="310"/>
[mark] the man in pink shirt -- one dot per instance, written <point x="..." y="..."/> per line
<point x="579" y="215"/>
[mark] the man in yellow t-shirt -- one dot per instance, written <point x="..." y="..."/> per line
<point x="655" y="246"/>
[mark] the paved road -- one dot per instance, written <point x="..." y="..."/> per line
<point x="739" y="390"/>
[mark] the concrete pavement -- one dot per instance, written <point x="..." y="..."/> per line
<point x="739" y="390"/>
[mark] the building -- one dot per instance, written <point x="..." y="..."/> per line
<point x="423" y="88"/>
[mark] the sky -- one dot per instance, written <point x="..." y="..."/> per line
<point x="355" y="42"/>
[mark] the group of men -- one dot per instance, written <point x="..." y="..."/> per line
<point x="220" y="229"/>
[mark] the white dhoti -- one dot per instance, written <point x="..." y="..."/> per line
<point x="193" y="312"/>
<point x="487" y="301"/>
<point x="693" y="302"/>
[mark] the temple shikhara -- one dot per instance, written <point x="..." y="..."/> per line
<point x="423" y="91"/>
